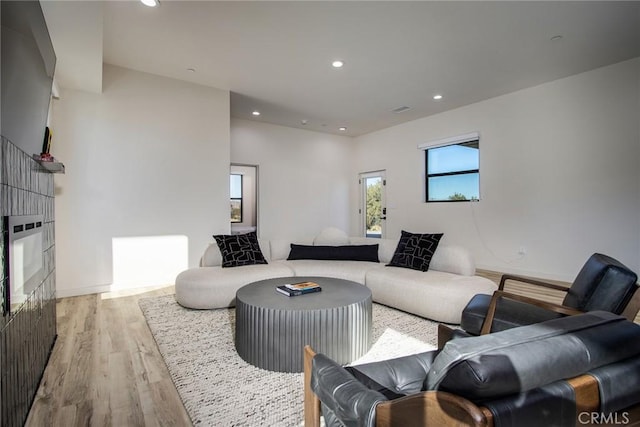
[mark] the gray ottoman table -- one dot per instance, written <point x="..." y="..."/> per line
<point x="272" y="329"/>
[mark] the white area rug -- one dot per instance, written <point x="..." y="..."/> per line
<point x="218" y="388"/>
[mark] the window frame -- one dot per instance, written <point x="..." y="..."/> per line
<point x="461" y="141"/>
<point x="240" y="199"/>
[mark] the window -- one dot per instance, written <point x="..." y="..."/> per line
<point x="453" y="170"/>
<point x="235" y="191"/>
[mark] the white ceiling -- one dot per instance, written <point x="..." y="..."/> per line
<point x="275" y="56"/>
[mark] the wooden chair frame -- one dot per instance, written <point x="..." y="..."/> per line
<point x="437" y="408"/>
<point x="630" y="312"/>
<point x="445" y="332"/>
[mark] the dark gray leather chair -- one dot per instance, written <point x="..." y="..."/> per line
<point x="545" y="374"/>
<point x="603" y="283"/>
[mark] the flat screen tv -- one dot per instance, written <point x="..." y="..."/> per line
<point x="28" y="64"/>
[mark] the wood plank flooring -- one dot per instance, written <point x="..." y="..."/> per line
<point x="105" y="369"/>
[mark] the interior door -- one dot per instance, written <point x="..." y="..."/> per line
<point x="373" y="211"/>
<point x="244" y="198"/>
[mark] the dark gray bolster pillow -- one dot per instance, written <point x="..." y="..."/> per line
<point x="335" y="253"/>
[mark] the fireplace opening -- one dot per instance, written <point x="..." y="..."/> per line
<point x="25" y="257"/>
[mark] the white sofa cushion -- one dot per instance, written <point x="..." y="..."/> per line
<point x="212" y="256"/>
<point x="331" y="236"/>
<point x="348" y="270"/>
<point x="216" y="287"/>
<point x="280" y="248"/>
<point x="453" y="259"/>
<point x="439" y="294"/>
<point x="432" y="294"/>
<point x="386" y="247"/>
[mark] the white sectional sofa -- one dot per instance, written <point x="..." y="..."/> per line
<point x="439" y="294"/>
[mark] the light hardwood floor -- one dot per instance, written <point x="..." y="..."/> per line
<point x="105" y="369"/>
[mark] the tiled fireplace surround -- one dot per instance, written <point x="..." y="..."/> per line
<point x="29" y="332"/>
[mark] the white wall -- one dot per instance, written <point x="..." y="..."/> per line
<point x="559" y="174"/>
<point x="303" y="177"/>
<point x="147" y="180"/>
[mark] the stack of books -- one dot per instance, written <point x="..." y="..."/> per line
<point x="300" y="288"/>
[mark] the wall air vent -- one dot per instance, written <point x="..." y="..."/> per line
<point x="401" y="109"/>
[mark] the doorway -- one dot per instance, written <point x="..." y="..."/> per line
<point x="373" y="211"/>
<point x="243" y="191"/>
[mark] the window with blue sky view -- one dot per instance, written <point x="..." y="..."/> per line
<point x="453" y="172"/>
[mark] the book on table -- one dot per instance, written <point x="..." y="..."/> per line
<point x="301" y="288"/>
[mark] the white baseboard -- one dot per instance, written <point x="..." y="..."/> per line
<point x="101" y="289"/>
<point x="88" y="290"/>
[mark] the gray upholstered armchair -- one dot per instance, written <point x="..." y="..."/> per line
<point x="549" y="373"/>
<point x="603" y="283"/>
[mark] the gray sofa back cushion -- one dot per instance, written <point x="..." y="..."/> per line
<point x="524" y="358"/>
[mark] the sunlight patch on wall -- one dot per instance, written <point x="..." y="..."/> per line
<point x="148" y="260"/>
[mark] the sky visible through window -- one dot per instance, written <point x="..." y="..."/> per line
<point x="236" y="186"/>
<point x="454" y="158"/>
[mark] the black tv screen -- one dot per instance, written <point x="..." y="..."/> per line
<point x="28" y="64"/>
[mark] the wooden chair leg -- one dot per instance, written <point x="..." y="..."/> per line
<point x="311" y="401"/>
<point x="444" y="335"/>
<point x="631" y="310"/>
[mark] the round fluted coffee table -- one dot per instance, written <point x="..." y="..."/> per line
<point x="272" y="329"/>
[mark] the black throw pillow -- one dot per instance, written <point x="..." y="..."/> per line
<point x="239" y="249"/>
<point x="415" y="250"/>
<point x="335" y="253"/>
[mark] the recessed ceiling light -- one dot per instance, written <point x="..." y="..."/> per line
<point x="437" y="97"/>
<point x="342" y="128"/>
<point x="256" y="113"/>
<point x="191" y="70"/>
<point x="337" y="63"/>
<point x="151" y="3"/>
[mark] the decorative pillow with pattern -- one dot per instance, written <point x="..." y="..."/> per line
<point x="415" y="250"/>
<point x="240" y="249"/>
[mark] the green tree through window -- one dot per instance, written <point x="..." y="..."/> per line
<point x="235" y="191"/>
<point x="374" y="205"/>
